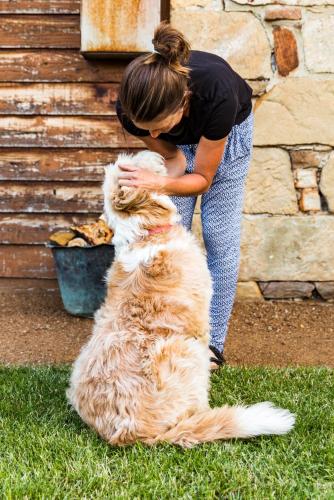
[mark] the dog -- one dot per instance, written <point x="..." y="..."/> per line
<point x="144" y="373"/>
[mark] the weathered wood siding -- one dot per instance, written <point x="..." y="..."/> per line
<point x="57" y="130"/>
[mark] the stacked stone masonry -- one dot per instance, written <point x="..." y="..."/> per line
<point x="285" y="51"/>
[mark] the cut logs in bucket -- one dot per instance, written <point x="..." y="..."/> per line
<point x="82" y="256"/>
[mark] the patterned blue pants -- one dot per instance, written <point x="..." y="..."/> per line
<point x="221" y="212"/>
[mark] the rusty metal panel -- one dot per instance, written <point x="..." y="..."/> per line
<point x="120" y="26"/>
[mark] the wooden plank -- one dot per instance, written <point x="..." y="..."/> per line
<point x="56" y="66"/>
<point x="56" y="164"/>
<point x="30" y="261"/>
<point x="32" y="229"/>
<point x="64" y="131"/>
<point x="55" y="197"/>
<point x="58" y="98"/>
<point x="40" y="31"/>
<point x="24" y="284"/>
<point x="39" y="6"/>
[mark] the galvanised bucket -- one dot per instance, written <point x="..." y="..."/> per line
<point x="80" y="273"/>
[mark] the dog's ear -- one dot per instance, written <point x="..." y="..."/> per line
<point x="139" y="202"/>
<point x="128" y="199"/>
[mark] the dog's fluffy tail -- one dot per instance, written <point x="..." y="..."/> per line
<point x="229" y="422"/>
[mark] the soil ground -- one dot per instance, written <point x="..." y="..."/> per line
<point x="35" y="328"/>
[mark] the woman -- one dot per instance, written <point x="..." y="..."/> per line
<point x="192" y="108"/>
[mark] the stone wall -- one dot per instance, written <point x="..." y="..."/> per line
<point x="285" y="51"/>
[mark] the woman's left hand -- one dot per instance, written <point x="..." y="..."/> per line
<point x="133" y="176"/>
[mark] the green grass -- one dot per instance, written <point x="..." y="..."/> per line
<point x="47" y="452"/>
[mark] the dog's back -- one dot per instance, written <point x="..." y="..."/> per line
<point x="147" y="361"/>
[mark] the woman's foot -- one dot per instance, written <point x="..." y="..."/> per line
<point x="217" y="360"/>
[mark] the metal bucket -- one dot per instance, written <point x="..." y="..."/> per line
<point x="80" y="273"/>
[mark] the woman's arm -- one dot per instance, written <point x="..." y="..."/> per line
<point x="175" y="160"/>
<point x="207" y="159"/>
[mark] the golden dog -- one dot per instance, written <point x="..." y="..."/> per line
<point x="144" y="373"/>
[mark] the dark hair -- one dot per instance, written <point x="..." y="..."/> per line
<point x="154" y="85"/>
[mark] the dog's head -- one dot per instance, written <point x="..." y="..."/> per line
<point x="136" y="207"/>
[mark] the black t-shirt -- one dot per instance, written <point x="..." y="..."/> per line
<point x="220" y="99"/>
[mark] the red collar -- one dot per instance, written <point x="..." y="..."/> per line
<point x="160" y="229"/>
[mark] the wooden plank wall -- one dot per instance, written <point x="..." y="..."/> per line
<point x="57" y="130"/>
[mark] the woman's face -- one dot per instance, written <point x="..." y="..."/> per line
<point x="157" y="127"/>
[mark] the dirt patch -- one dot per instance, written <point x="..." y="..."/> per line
<point x="36" y="329"/>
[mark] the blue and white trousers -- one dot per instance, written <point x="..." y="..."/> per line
<point x="221" y="214"/>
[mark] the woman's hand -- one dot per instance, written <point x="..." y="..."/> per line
<point x="133" y="176"/>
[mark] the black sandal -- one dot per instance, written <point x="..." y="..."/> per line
<point x="219" y="358"/>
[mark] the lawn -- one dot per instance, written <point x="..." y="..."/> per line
<point x="47" y="452"/>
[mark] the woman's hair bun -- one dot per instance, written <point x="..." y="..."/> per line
<point x="171" y="45"/>
<point x="157" y="84"/>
